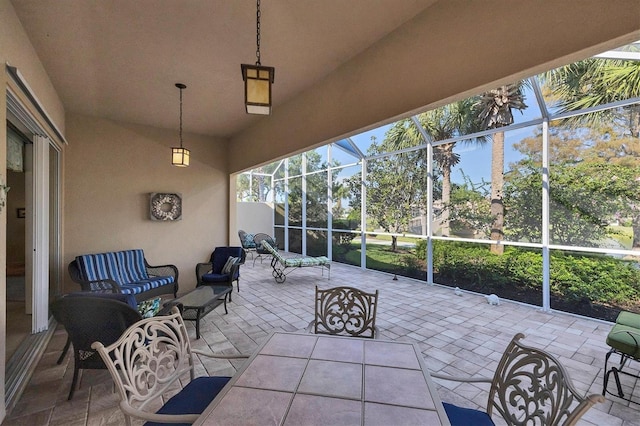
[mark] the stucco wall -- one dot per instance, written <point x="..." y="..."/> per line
<point x="16" y="50"/>
<point x="253" y="218"/>
<point x="110" y="170"/>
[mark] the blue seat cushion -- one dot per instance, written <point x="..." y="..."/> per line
<point x="459" y="416"/>
<point x="220" y="255"/>
<point x="193" y="398"/>
<point x="145" y="285"/>
<point x="215" y="278"/>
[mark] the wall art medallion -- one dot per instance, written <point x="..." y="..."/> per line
<point x="165" y="206"/>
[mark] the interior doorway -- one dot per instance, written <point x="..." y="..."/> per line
<point x="18" y="307"/>
<point x="33" y="240"/>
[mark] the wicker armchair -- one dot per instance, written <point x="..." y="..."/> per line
<point x="213" y="272"/>
<point x="89" y="319"/>
<point x="528" y="387"/>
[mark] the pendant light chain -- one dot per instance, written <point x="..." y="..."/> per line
<point x="258" y="33"/>
<point x="180" y="117"/>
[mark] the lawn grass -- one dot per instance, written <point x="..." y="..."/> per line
<point x="379" y="257"/>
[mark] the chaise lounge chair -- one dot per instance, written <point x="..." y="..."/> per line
<point x="280" y="264"/>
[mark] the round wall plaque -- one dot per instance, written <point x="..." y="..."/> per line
<point x="165" y="206"/>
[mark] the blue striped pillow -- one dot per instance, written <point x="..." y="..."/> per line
<point x="132" y="267"/>
<point x="100" y="266"/>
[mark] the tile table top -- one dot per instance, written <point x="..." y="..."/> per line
<point x="295" y="379"/>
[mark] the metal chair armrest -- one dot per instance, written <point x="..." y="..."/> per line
<point x="220" y="356"/>
<point x="461" y="379"/>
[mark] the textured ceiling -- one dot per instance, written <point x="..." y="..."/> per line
<point x="120" y="59"/>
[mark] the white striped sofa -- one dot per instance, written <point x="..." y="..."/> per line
<point x="280" y="264"/>
<point x="126" y="272"/>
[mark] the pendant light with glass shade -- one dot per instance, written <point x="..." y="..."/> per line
<point x="180" y="155"/>
<point x="257" y="80"/>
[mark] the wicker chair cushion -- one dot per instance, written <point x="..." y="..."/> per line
<point x="215" y="278"/>
<point x="193" y="398"/>
<point x="126" y="267"/>
<point x="459" y="416"/>
<point x="219" y="258"/>
<point x="101" y="266"/>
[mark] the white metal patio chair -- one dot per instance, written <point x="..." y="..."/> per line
<point x="529" y="387"/>
<point x="149" y="360"/>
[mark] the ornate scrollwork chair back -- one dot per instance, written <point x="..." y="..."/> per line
<point x="529" y="387"/>
<point x="542" y="385"/>
<point x="345" y="311"/>
<point x="149" y="360"/>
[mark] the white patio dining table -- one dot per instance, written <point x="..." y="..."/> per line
<point x="308" y="379"/>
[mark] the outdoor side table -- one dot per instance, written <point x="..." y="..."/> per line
<point x="204" y="299"/>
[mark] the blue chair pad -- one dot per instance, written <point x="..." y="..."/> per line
<point x="193" y="398"/>
<point x="215" y="278"/>
<point x="220" y="256"/>
<point x="146" y="285"/>
<point x="459" y="416"/>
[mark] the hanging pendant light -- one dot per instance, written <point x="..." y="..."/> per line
<point x="257" y="80"/>
<point x="180" y="156"/>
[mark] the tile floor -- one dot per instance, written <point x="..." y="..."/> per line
<point x="458" y="335"/>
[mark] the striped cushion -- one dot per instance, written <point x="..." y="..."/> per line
<point x="99" y="266"/>
<point x="295" y="261"/>
<point x="306" y="261"/>
<point x="126" y="267"/>
<point x="132" y="268"/>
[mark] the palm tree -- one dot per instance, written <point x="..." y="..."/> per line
<point x="495" y="111"/>
<point x="594" y="82"/>
<point x="442" y="123"/>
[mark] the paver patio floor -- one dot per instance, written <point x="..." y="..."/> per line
<point x="458" y="335"/>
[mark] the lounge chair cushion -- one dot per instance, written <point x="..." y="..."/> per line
<point x="193" y="398"/>
<point x="620" y="338"/>
<point x="459" y="416"/>
<point x="628" y="318"/>
<point x="291" y="262"/>
<point x="305" y="261"/>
